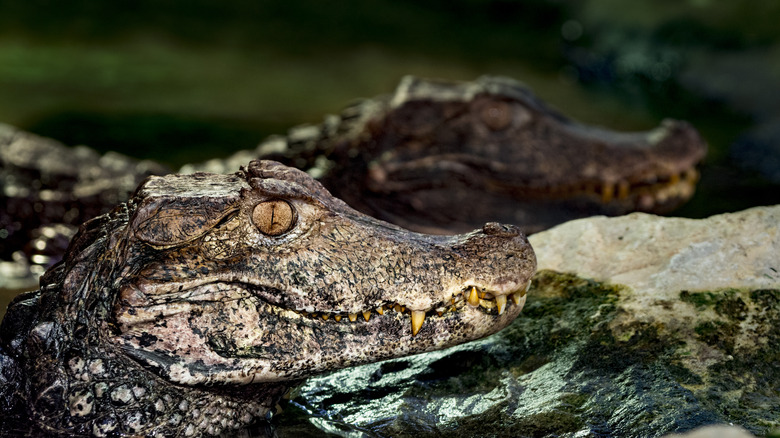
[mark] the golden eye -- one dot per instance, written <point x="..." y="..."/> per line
<point x="274" y="217"/>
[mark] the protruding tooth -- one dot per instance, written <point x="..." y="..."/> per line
<point x="623" y="189"/>
<point x="352" y="317"/>
<point x="607" y="192"/>
<point x="337" y="318"/>
<point x="519" y="299"/>
<point x="473" y="297"/>
<point x="500" y="303"/>
<point x="367" y="315"/>
<point x="418" y="316"/>
<point x="380" y="310"/>
<point x="325" y="316"/>
<point x="691" y="175"/>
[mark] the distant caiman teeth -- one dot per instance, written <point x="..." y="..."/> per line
<point x="473" y="296"/>
<point x="645" y="193"/>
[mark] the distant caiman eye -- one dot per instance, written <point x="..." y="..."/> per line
<point x="274" y="217"/>
<point x="497" y="115"/>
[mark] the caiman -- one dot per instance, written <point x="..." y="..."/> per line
<point x="192" y="307"/>
<point x="445" y="157"/>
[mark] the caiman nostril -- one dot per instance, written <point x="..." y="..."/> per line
<point x="500" y="230"/>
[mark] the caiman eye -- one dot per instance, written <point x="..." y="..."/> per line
<point x="274" y="217"/>
<point x="497" y="115"/>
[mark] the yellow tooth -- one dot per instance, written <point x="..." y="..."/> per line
<point x="380" y="310"/>
<point x="473" y="297"/>
<point x="623" y="189"/>
<point x="607" y="192"/>
<point x="325" y="316"/>
<point x="367" y="315"/>
<point x="674" y="179"/>
<point x="337" y="318"/>
<point x="418" y="316"/>
<point x="519" y="299"/>
<point x="439" y="312"/>
<point x="500" y="303"/>
<point x="352" y="317"/>
<point x="397" y="308"/>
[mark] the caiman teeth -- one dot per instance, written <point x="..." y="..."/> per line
<point x="501" y="303"/>
<point x="418" y="316"/>
<point x="473" y="297"/>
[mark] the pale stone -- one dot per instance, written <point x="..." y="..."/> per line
<point x="719" y="431"/>
<point x="658" y="257"/>
<point x="661" y="256"/>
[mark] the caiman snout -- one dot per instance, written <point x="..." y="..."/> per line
<point x="501" y="230"/>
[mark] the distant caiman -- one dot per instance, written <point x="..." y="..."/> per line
<point x="437" y="157"/>
<point x="445" y="157"/>
<point x="191" y="308"/>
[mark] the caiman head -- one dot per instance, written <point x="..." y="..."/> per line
<point x="192" y="307"/>
<point x="434" y="147"/>
<point x="265" y="276"/>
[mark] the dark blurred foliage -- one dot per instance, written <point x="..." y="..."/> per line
<point x="470" y="28"/>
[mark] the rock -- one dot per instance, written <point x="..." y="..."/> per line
<point x="714" y="432"/>
<point x="654" y="326"/>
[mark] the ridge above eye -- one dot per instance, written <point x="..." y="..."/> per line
<point x="274" y="217"/>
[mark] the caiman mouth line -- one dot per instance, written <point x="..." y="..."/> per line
<point x="644" y="192"/>
<point x="473" y="296"/>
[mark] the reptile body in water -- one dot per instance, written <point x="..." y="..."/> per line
<point x="414" y="158"/>
<point x="191" y="308"/>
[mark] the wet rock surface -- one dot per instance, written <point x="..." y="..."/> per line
<point x="660" y="326"/>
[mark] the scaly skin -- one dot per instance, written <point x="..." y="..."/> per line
<point x="194" y="306"/>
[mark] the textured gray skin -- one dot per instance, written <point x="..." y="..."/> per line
<point x="176" y="315"/>
<point x="417" y="157"/>
<point x="47" y="190"/>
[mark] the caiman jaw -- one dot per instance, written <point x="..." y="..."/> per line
<point x="645" y="194"/>
<point x="475" y="297"/>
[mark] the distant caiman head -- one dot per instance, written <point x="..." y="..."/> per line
<point x="440" y="156"/>
<point x="264" y="276"/>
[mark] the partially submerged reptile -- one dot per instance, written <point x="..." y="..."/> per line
<point x="445" y="157"/>
<point x="191" y="308"/>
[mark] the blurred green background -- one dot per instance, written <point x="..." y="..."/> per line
<point x="181" y="82"/>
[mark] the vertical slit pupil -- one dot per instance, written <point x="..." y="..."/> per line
<point x="274" y="217"/>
